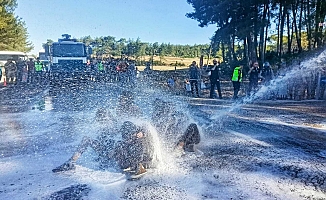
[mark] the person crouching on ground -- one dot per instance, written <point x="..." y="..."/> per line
<point x="189" y="139"/>
<point x="133" y="153"/>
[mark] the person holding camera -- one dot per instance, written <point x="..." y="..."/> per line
<point x="253" y="77"/>
<point x="215" y="79"/>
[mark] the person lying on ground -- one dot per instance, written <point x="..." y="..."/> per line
<point x="134" y="153"/>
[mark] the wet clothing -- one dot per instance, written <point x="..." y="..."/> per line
<point x="253" y="79"/>
<point x="167" y="119"/>
<point x="131" y="152"/>
<point x="127" y="153"/>
<point x="190" y="137"/>
<point x="267" y="73"/>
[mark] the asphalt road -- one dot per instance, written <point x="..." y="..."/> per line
<point x="265" y="149"/>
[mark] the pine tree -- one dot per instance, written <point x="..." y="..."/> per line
<point x="13" y="32"/>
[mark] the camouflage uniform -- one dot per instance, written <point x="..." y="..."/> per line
<point x="127" y="153"/>
<point x="167" y="119"/>
<point x="190" y="137"/>
<point x="11" y="70"/>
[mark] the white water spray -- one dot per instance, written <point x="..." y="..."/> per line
<point x="302" y="70"/>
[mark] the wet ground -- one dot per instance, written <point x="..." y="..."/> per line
<point x="261" y="150"/>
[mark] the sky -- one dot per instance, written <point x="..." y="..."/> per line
<point x="151" y="20"/>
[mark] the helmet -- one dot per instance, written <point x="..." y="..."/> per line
<point x="266" y="64"/>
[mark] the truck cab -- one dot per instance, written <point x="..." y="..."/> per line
<point x="68" y="58"/>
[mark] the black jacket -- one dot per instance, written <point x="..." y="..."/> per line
<point x="215" y="74"/>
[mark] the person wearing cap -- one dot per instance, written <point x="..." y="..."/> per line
<point x="236" y="80"/>
<point x="215" y="79"/>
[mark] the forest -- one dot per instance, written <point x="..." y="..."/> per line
<point x="262" y="29"/>
<point x="246" y="30"/>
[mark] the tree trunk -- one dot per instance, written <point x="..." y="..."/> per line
<point x="279" y="29"/>
<point x="261" y="34"/>
<point x="309" y="28"/>
<point x="223" y="51"/>
<point x="317" y="42"/>
<point x="300" y="28"/>
<point x="284" y="11"/>
<point x="245" y="44"/>
<point x="233" y="48"/>
<point x="289" y="33"/>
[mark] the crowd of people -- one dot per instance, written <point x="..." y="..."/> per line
<point x="96" y="69"/>
<point x="198" y="75"/>
<point x="25" y="71"/>
<point x="128" y="144"/>
<point x="112" y="70"/>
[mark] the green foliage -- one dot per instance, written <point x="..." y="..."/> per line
<point x="250" y="21"/>
<point x="13" y="32"/>
<point x="109" y="46"/>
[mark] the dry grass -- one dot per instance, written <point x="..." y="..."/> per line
<point x="162" y="68"/>
<point x="170" y="62"/>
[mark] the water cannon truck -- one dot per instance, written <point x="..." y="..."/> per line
<point x="68" y="59"/>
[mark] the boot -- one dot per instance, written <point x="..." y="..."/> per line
<point x="64" y="167"/>
<point x="140" y="172"/>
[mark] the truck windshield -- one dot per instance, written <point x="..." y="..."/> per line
<point x="68" y="50"/>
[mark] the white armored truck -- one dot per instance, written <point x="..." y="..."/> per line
<point x="68" y="59"/>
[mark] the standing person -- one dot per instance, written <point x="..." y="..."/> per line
<point x="21" y="65"/>
<point x="100" y="70"/>
<point x="10" y="70"/>
<point x="0" y="73"/>
<point x="132" y="72"/>
<point x="267" y="72"/>
<point x="215" y="79"/>
<point x="193" y="77"/>
<point x="253" y="77"/>
<point x="322" y="83"/>
<point x="236" y="80"/>
<point x="38" y="70"/>
<point x="31" y="70"/>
